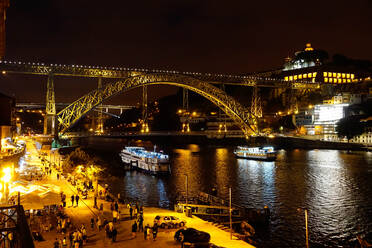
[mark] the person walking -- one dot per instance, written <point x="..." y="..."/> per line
<point x="99" y="223"/>
<point x="114" y="216"/>
<point x="145" y="231"/>
<point x="64" y="242"/>
<point x="134" y="229"/>
<point x="154" y="231"/>
<point x="77" y="200"/>
<point x="95" y="202"/>
<point x="116" y="206"/>
<point x="72" y="200"/>
<point x="92" y="223"/>
<point x="63" y="200"/>
<point x="131" y="212"/>
<point x="71" y="238"/>
<point x="56" y="243"/>
<point x="135" y="211"/>
<point x="140" y="223"/>
<point x="114" y="234"/>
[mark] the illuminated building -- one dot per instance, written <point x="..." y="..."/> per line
<point x="345" y="97"/>
<point x="304" y="118"/>
<point x="366" y="137"/>
<point x="325" y="118"/>
<point x="310" y="65"/>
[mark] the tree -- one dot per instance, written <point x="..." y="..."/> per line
<point x="349" y="127"/>
<point x="75" y="158"/>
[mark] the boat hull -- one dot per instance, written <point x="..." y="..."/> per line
<point x="252" y="157"/>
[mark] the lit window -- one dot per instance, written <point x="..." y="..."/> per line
<point x="325" y="74"/>
<point x="330" y="80"/>
<point x="309" y="75"/>
<point x="349" y="80"/>
<point x="305" y="75"/>
<point x="295" y="77"/>
<point x="352" y="76"/>
<point x="343" y="75"/>
<point x="334" y="74"/>
<point x="344" y="80"/>
<point x="300" y="76"/>
<point x="339" y="80"/>
<point x="290" y="78"/>
<point x="313" y="80"/>
<point x="285" y="78"/>
<point x="314" y="74"/>
<point x="348" y="75"/>
<point x="338" y="75"/>
<point x="325" y="80"/>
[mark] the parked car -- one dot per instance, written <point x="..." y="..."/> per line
<point x="192" y="235"/>
<point x="169" y="221"/>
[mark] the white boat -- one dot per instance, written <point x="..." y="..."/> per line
<point x="139" y="158"/>
<point x="259" y="153"/>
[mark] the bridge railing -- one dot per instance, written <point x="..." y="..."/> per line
<point x="14" y="229"/>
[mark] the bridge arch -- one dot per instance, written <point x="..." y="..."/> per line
<point x="75" y="111"/>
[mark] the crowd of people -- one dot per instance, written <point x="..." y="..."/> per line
<point x="69" y="235"/>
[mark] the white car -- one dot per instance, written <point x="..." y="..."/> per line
<point x="169" y="221"/>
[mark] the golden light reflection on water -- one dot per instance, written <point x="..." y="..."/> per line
<point x="188" y="163"/>
<point x="223" y="170"/>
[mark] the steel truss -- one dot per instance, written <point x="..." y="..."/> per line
<point x="72" y="113"/>
<point x="268" y="79"/>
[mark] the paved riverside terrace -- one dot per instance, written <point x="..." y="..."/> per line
<point x="85" y="211"/>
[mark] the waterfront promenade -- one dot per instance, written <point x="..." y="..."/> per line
<point x="85" y="211"/>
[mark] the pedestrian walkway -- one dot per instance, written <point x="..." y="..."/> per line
<point x="83" y="213"/>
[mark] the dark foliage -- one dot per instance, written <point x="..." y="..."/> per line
<point x="350" y="127"/>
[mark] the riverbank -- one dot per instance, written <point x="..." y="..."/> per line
<point x="279" y="142"/>
<point x="83" y="213"/>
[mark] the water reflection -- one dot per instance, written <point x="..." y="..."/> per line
<point x="335" y="187"/>
<point x="256" y="181"/>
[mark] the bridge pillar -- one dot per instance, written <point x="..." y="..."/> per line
<point x="145" y="125"/>
<point x="99" y="127"/>
<point x="256" y="107"/>
<point x="50" y="111"/>
<point x="185" y="107"/>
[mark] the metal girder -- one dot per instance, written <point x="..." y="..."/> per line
<point x="267" y="79"/>
<point x="71" y="114"/>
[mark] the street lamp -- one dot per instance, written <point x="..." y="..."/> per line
<point x="230" y="211"/>
<point x="187" y="189"/>
<point x="6" y="179"/>
<point x="306" y="225"/>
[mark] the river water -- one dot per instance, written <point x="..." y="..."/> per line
<point x="335" y="186"/>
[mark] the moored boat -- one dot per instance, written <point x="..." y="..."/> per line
<point x="139" y="158"/>
<point x="258" y="153"/>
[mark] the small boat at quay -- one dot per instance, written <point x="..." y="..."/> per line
<point x="141" y="159"/>
<point x="258" y="153"/>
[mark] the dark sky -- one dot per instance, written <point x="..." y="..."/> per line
<point x="206" y="36"/>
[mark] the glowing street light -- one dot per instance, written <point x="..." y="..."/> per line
<point x="7" y="175"/>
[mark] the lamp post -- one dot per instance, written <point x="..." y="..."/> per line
<point x="230" y="211"/>
<point x="187" y="189"/>
<point x="306" y="225"/>
<point x="6" y="179"/>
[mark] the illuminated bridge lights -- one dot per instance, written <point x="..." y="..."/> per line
<point x="263" y="80"/>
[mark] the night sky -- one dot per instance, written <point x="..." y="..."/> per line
<point x="206" y="36"/>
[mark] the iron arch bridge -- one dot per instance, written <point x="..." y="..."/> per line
<point x="239" y="114"/>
